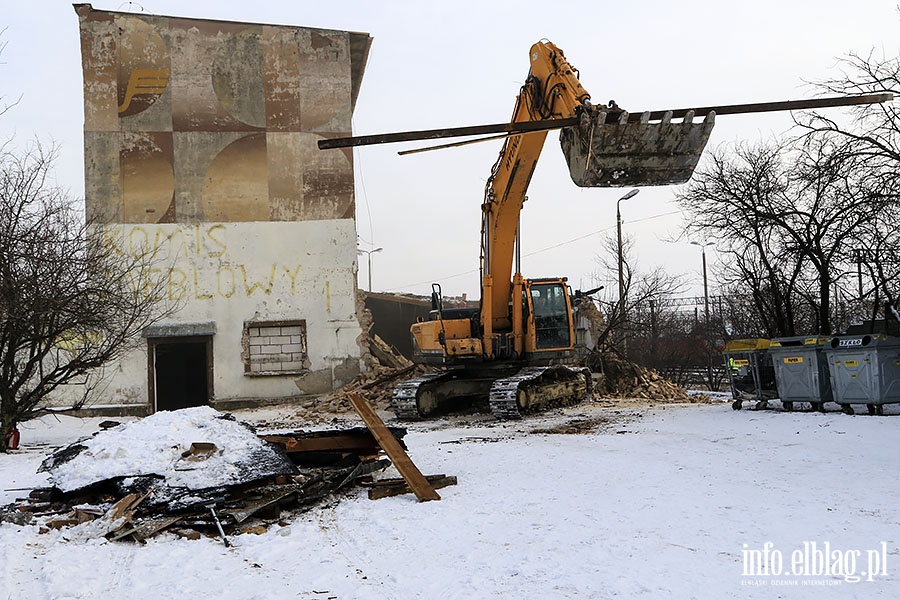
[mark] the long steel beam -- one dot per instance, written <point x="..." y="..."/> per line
<point x="613" y="116"/>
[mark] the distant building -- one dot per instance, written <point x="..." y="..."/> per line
<point x="200" y="141"/>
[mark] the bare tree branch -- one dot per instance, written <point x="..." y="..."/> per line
<point x="70" y="300"/>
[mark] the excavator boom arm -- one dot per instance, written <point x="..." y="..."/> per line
<point x="552" y="91"/>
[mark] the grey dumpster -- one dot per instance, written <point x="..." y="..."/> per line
<point x="750" y="371"/>
<point x="865" y="369"/>
<point x="801" y="371"/>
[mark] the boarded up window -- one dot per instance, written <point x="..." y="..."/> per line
<point x="275" y="348"/>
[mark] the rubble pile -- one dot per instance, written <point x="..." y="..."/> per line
<point x="384" y="369"/>
<point x="613" y="377"/>
<point x="617" y="377"/>
<point x="193" y="471"/>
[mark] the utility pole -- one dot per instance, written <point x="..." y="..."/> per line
<point x="621" y="311"/>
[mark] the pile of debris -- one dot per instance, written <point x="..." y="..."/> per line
<point x="385" y="367"/>
<point x="197" y="471"/>
<point x="613" y="377"/>
<point x="616" y="377"/>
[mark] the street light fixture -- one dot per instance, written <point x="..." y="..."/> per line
<point x="630" y="194"/>
<point x="369" y="254"/>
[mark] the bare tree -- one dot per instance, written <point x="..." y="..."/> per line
<point x="70" y="300"/>
<point x="874" y="130"/>
<point x="641" y="289"/>
<point x="4" y="104"/>
<point x="873" y="134"/>
<point x="788" y="216"/>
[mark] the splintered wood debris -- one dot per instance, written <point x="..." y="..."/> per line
<point x="196" y="472"/>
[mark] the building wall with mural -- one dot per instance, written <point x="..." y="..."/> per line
<point x="200" y="143"/>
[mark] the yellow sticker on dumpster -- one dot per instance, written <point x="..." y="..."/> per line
<point x="741" y="362"/>
<point x="793" y="360"/>
<point x="851" y="363"/>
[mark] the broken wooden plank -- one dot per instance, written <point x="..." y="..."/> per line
<point x="358" y="440"/>
<point x="123" y="507"/>
<point x="369" y="482"/>
<point x="60" y="523"/>
<point x="414" y="478"/>
<point x="342" y="443"/>
<point x="272" y="496"/>
<point x="377" y="492"/>
<point x="145" y="529"/>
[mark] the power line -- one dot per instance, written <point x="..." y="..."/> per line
<point x="362" y="184"/>
<point x="579" y="238"/>
<point x="605" y="229"/>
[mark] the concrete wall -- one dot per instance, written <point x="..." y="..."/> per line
<point x="200" y="142"/>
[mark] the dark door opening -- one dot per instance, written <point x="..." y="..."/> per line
<point x="180" y="373"/>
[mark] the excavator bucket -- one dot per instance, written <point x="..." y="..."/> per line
<point x="624" y="151"/>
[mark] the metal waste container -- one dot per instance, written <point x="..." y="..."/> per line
<point x="865" y="369"/>
<point x="750" y="371"/>
<point x="801" y="371"/>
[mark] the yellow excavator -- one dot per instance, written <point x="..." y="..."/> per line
<point x="513" y="348"/>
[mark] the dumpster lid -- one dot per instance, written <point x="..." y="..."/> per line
<point x="801" y="340"/>
<point x="746" y="344"/>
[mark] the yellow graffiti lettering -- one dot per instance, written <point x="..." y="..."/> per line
<point x="249" y="288"/>
<point x="292" y="275"/>
<point x="198" y="295"/>
<point x="110" y="237"/>
<point x="177" y="284"/>
<point x="211" y="234"/>
<point x="150" y="284"/>
<point x="228" y="292"/>
<point x="166" y="241"/>
<point x="138" y="242"/>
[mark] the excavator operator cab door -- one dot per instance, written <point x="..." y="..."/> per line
<point x="550" y="315"/>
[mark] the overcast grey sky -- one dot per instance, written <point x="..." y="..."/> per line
<point x="446" y="64"/>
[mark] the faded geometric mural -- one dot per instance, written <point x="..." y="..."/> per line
<point x="190" y="120"/>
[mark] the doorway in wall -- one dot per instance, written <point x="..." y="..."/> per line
<point x="180" y="372"/>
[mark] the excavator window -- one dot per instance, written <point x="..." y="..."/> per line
<point x="551" y="316"/>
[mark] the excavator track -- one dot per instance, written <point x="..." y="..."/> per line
<point x="538" y="388"/>
<point x="406" y="397"/>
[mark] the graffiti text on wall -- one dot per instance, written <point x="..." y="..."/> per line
<point x="194" y="263"/>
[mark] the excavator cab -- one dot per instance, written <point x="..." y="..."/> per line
<point x="550" y="315"/>
<point x="612" y="148"/>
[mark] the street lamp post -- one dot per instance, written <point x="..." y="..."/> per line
<point x="706" y="332"/>
<point x="705" y="285"/>
<point x="369" y="254"/>
<point x="630" y="194"/>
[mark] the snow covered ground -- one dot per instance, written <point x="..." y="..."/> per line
<point x="665" y="501"/>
